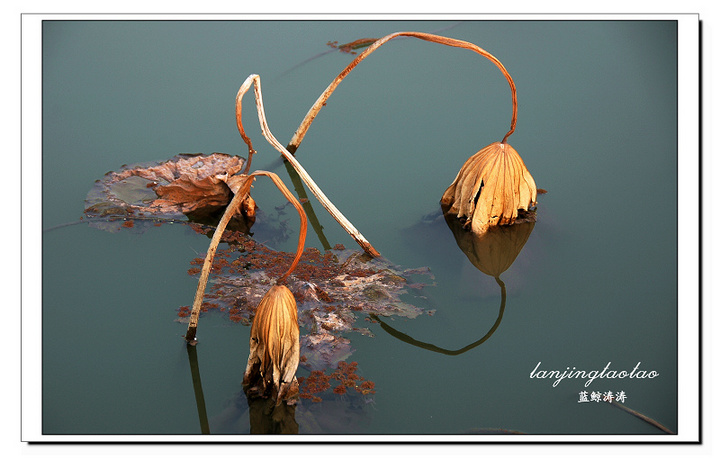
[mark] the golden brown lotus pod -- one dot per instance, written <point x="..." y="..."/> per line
<point x="274" y="346"/>
<point x="493" y="187"/>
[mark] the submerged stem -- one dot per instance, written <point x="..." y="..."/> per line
<point x="643" y="417"/>
<point x="307" y="206"/>
<point x="320" y="102"/>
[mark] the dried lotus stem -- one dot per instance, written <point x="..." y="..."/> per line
<point x="334" y="212"/>
<point x="303" y="220"/>
<point x="243" y="190"/>
<point x="322" y="100"/>
<point x="190" y="335"/>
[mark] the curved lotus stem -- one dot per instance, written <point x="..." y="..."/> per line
<point x="242" y="191"/>
<point x="320" y="102"/>
<point x="434" y="348"/>
<point x="336" y="214"/>
<point x="303" y="220"/>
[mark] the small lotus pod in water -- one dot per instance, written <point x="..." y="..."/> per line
<point x="493" y="187"/>
<point x="274" y="346"/>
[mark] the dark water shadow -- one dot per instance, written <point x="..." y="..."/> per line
<point x="491" y="253"/>
<point x="197" y="388"/>
<point x="264" y="416"/>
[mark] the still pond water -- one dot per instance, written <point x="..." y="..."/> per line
<point x="595" y="283"/>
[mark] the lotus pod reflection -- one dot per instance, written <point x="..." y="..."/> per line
<point x="494" y="251"/>
<point x="274" y="347"/>
<point x="492" y="188"/>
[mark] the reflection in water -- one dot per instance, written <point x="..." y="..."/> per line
<point x="197" y="387"/>
<point x="266" y="418"/>
<point x="335" y="413"/>
<point x="495" y="251"/>
<point x="406" y="338"/>
<point x="492" y="253"/>
<point x="307" y="206"/>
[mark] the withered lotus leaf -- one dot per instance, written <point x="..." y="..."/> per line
<point x="493" y="187"/>
<point x="334" y="291"/>
<point x="188" y="184"/>
<point x="330" y="288"/>
<point x="274" y="346"/>
<point x="323" y="350"/>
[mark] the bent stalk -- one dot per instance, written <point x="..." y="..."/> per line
<point x="336" y="214"/>
<point x="242" y="192"/>
<point x="322" y="100"/>
<point x="190" y="335"/>
<point x="303" y="220"/>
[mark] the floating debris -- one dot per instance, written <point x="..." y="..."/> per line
<point x="341" y="380"/>
<point x="332" y="291"/>
<point x="323" y="350"/>
<point x="330" y="288"/>
<point x="351" y="47"/>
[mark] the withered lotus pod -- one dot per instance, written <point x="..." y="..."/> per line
<point x="493" y="187"/>
<point x="274" y="346"/>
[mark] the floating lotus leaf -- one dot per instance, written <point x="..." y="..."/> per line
<point x="323" y="350"/>
<point x="493" y="187"/>
<point x="186" y="185"/>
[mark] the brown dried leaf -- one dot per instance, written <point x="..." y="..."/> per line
<point x="191" y="185"/>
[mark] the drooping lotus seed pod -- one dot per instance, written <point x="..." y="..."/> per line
<point x="493" y="187"/>
<point x="274" y="346"/>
